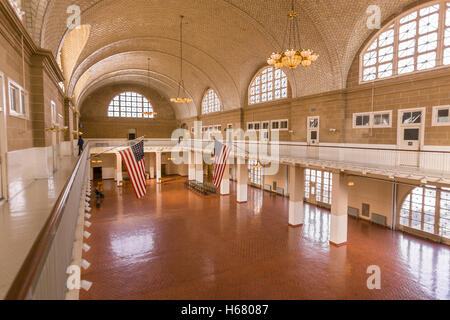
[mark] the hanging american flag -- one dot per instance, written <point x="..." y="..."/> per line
<point x="221" y="153"/>
<point x="135" y="164"/>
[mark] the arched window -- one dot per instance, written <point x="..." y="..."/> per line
<point x="415" y="41"/>
<point x="211" y="102"/>
<point x="268" y="85"/>
<point x="427" y="209"/>
<point x="130" y="105"/>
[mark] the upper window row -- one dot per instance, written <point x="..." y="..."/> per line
<point x="415" y="41"/>
<point x="211" y="102"/>
<point x="269" y="84"/>
<point x="130" y="105"/>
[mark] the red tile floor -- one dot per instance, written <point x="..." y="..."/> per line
<point x="176" y="244"/>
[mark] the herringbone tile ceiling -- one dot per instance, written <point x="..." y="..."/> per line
<point x="226" y="42"/>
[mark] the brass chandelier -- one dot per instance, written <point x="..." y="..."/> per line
<point x="294" y="56"/>
<point x="181" y="97"/>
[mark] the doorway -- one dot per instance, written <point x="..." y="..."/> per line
<point x="410" y="136"/>
<point x="313" y="126"/>
<point x="98" y="174"/>
<point x="132" y="134"/>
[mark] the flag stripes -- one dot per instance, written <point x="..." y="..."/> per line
<point x="133" y="158"/>
<point x="221" y="152"/>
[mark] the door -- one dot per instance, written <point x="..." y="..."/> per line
<point x="132" y="134"/>
<point x="410" y="136"/>
<point x="313" y="126"/>
<point x="264" y="132"/>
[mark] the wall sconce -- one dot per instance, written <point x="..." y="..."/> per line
<point x="76" y="133"/>
<point x="64" y="129"/>
<point x="52" y="129"/>
<point x="333" y="131"/>
<point x="154" y="114"/>
<point x="291" y="131"/>
<point x="96" y="161"/>
<point x="351" y="184"/>
<point x="257" y="166"/>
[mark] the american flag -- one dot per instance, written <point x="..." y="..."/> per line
<point x="134" y="161"/>
<point x="221" y="153"/>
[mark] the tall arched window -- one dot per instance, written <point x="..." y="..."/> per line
<point x="130" y="105"/>
<point x="211" y="102"/>
<point x="268" y="85"/>
<point x="415" y="41"/>
<point x="427" y="209"/>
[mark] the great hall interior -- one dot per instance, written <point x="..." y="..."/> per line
<point x="335" y="114"/>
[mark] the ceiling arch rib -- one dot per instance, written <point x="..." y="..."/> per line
<point x="240" y="38"/>
<point x="195" y="79"/>
<point x="166" y="86"/>
<point x="213" y="73"/>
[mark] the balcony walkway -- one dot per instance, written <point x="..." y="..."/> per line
<point x="23" y="217"/>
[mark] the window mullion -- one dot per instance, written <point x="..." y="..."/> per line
<point x="416" y="49"/>
<point x="437" y="212"/>
<point x="440" y="35"/>
<point x="396" y="44"/>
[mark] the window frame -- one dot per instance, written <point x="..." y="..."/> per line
<point x="205" y="105"/>
<point x="435" y="122"/>
<point x="372" y="115"/>
<point x="375" y="113"/>
<point x="252" y="84"/>
<point x="53" y="112"/>
<point x="280" y="122"/>
<point x="395" y="24"/>
<point x="23" y="100"/>
<point x="253" y="126"/>
<point x="272" y="123"/>
<point x="129" y="97"/>
<point x="2" y="92"/>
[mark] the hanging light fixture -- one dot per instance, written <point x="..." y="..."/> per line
<point x="294" y="55"/>
<point x="181" y="98"/>
<point x="150" y="114"/>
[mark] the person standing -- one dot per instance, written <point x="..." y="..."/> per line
<point x="80" y="145"/>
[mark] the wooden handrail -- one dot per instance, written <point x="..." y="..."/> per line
<point x="34" y="262"/>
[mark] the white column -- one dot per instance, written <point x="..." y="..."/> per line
<point x="296" y="192"/>
<point x="119" y="176"/>
<point x="199" y="167"/>
<point x="242" y="182"/>
<point x="339" y="210"/>
<point x="158" y="167"/>
<point x="152" y="157"/>
<point x="225" y="186"/>
<point x="191" y="166"/>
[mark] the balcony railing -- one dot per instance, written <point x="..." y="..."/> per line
<point x="43" y="273"/>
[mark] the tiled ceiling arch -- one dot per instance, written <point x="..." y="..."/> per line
<point x="227" y="41"/>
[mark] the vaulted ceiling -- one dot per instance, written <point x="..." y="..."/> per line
<point x="226" y="42"/>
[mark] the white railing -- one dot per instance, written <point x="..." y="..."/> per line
<point x="420" y="163"/>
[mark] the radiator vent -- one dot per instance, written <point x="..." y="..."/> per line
<point x="379" y="219"/>
<point x="354" y="212"/>
<point x="267" y="187"/>
<point x="280" y="191"/>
